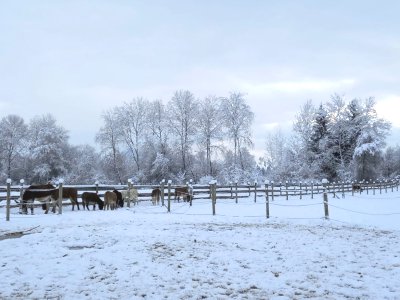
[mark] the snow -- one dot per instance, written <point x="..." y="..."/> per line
<point x="143" y="252"/>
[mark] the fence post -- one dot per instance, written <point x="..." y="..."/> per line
<point x="272" y="190"/>
<point x="287" y="192"/>
<point x="97" y="186"/>
<point x="162" y="187"/>
<point x="373" y="188"/>
<point x="230" y="184"/>
<point x="280" y="188"/>
<point x="326" y="209"/>
<point x="21" y="192"/>
<point x="392" y="185"/>
<point x="248" y="185"/>
<point x="236" y="190"/>
<point x="213" y="188"/>
<point x="386" y="185"/>
<point x="8" y="199"/>
<point x="169" y="195"/>
<point x="312" y="189"/>
<point x="380" y="186"/>
<point x="60" y="195"/>
<point x="334" y="189"/>
<point x="266" y="199"/>
<point x="190" y="191"/>
<point x="255" y="191"/>
<point x="129" y="192"/>
<point x="343" y="194"/>
<point x="301" y="195"/>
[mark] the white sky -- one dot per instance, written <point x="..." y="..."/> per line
<point x="75" y="59"/>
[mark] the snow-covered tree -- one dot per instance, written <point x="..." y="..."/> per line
<point x="210" y="128"/>
<point x="134" y="126"/>
<point x="110" y="137"/>
<point x="48" y="144"/>
<point x="370" y="142"/>
<point x="183" y="111"/>
<point x="13" y="132"/>
<point x="238" y="119"/>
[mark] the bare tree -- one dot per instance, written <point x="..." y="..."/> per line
<point x="210" y="127"/>
<point x="12" y="139"/>
<point x="109" y="137"/>
<point x="238" y="120"/>
<point x="157" y="119"/>
<point x="134" y="124"/>
<point x="183" y="112"/>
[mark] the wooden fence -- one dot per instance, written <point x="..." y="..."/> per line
<point x="234" y="191"/>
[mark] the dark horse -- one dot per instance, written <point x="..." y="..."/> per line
<point x="48" y="194"/>
<point x="91" y="198"/>
<point x="31" y="194"/>
<point x="184" y="192"/>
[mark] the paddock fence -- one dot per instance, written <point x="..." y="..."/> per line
<point x="262" y="193"/>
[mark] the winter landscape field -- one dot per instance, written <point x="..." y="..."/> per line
<point x="143" y="252"/>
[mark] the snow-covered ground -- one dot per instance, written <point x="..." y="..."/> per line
<point x="146" y="253"/>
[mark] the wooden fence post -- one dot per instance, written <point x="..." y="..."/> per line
<point x="230" y="185"/>
<point x="248" y="185"/>
<point x="213" y="188"/>
<point x="312" y="189"/>
<point x="21" y="192"/>
<point x="60" y="196"/>
<point x="301" y="195"/>
<point x="169" y="195"/>
<point x="280" y="188"/>
<point x="392" y="185"/>
<point x="129" y="192"/>
<point x="287" y="192"/>
<point x="236" y="190"/>
<point x="386" y="186"/>
<point x="8" y="181"/>
<point x="255" y="191"/>
<point x="97" y="186"/>
<point x="343" y="194"/>
<point x="162" y="187"/>
<point x="325" y="197"/>
<point x="380" y="186"/>
<point x="266" y="199"/>
<point x="373" y="188"/>
<point x="272" y="191"/>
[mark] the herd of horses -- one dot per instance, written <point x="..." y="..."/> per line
<point x="48" y="195"/>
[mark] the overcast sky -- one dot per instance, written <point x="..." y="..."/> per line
<point x="75" y="59"/>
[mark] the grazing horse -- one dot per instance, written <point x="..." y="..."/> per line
<point x="68" y="192"/>
<point x="120" y="201"/>
<point x="91" y="198"/>
<point x="155" y="196"/>
<point x="184" y="192"/>
<point x="356" y="187"/>
<point x="110" y="200"/>
<point x="130" y="195"/>
<point x="29" y="197"/>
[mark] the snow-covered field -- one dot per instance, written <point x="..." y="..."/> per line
<point x="146" y="253"/>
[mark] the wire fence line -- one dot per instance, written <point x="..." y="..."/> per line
<point x="226" y="194"/>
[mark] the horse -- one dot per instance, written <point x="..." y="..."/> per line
<point x="68" y="192"/>
<point x="356" y="187"/>
<point x="155" y="196"/>
<point x="184" y="192"/>
<point x="130" y="195"/>
<point x="91" y="198"/>
<point x="110" y="200"/>
<point x="29" y="198"/>
<point x="44" y="196"/>
<point x="120" y="201"/>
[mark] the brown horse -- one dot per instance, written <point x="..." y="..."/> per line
<point x="155" y="196"/>
<point x="184" y="192"/>
<point x="110" y="200"/>
<point x="91" y="198"/>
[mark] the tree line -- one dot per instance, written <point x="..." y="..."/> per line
<point x="337" y="140"/>
<point x="146" y="141"/>
<point x="202" y="139"/>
